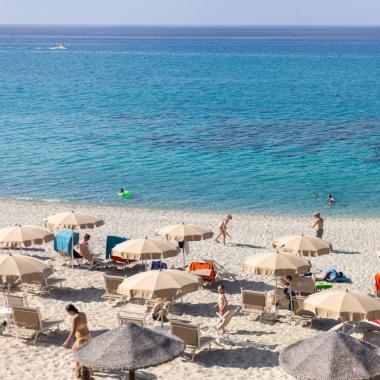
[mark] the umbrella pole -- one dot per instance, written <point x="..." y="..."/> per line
<point x="131" y="375"/>
<point x="275" y="298"/>
<point x="72" y="249"/>
<point x="183" y="257"/>
<point x="162" y="314"/>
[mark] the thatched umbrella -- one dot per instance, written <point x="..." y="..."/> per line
<point x="73" y="220"/>
<point x="302" y="245"/>
<point x="129" y="348"/>
<point x="18" y="236"/>
<point x="331" y="356"/>
<point x="145" y="249"/>
<point x="185" y="232"/>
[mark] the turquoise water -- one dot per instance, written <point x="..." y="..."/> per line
<point x="240" y="119"/>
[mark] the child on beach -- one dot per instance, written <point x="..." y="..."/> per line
<point x="318" y="225"/>
<point x="223" y="229"/>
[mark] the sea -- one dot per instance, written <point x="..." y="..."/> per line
<point x="239" y="119"/>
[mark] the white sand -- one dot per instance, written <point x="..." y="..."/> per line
<point x="255" y="348"/>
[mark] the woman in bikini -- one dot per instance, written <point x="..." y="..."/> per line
<point x="79" y="328"/>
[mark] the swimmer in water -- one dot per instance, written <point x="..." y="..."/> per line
<point x="330" y="199"/>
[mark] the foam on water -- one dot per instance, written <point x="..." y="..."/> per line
<point x="244" y="119"/>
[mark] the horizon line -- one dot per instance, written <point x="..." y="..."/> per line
<point x="200" y="25"/>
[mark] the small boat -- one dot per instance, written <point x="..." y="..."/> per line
<point x="59" y="47"/>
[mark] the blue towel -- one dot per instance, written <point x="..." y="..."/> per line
<point x="111" y="242"/>
<point x="62" y="241"/>
<point x="158" y="265"/>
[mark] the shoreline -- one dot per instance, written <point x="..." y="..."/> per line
<point x="187" y="211"/>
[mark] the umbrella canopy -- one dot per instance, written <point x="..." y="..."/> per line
<point x="15" y="268"/>
<point x="145" y="249"/>
<point x="343" y="305"/>
<point x="159" y="284"/>
<point x="302" y="245"/>
<point x="331" y="356"/>
<point x="128" y="348"/>
<point x="73" y="220"/>
<point x="188" y="232"/>
<point x="276" y="264"/>
<point x="24" y="236"/>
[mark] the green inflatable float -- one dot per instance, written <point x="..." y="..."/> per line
<point x="124" y="194"/>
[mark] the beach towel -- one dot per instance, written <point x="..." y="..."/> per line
<point x="333" y="275"/>
<point x="204" y="270"/>
<point x="158" y="265"/>
<point x="62" y="241"/>
<point x="111" y="242"/>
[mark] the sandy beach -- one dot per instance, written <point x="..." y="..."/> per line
<point x="254" y="348"/>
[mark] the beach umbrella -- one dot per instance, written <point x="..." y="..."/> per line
<point x="165" y="283"/>
<point x="19" y="236"/>
<point x="302" y="245"/>
<point x="128" y="348"/>
<point x="343" y="305"/>
<point x="159" y="284"/>
<point x="276" y="264"/>
<point x="331" y="356"/>
<point x="73" y="220"/>
<point x="145" y="249"/>
<point x="14" y="268"/>
<point x="185" y="232"/>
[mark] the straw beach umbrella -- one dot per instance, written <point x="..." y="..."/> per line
<point x="129" y="348"/>
<point x="19" y="236"/>
<point x="302" y="245"/>
<point x="331" y="356"/>
<point x="185" y="232"/>
<point x="343" y="305"/>
<point x="276" y="264"/>
<point x="15" y="268"/>
<point x="145" y="249"/>
<point x="73" y="220"/>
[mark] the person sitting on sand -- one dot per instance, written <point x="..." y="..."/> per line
<point x="83" y="373"/>
<point x="158" y="311"/>
<point x="223" y="229"/>
<point x="79" y="329"/>
<point x="330" y="199"/>
<point x="318" y="225"/>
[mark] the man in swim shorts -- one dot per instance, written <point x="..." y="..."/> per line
<point x="318" y="225"/>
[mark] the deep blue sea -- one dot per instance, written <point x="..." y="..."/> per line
<point x="237" y="119"/>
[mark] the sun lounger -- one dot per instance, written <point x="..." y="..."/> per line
<point x="301" y="315"/>
<point x="191" y="335"/>
<point x="222" y="272"/>
<point x="43" y="285"/>
<point x="15" y="301"/>
<point x="137" y="318"/>
<point x="220" y="326"/>
<point x="28" y="323"/>
<point x="254" y="302"/>
<point x="89" y="257"/>
<point x="111" y="284"/>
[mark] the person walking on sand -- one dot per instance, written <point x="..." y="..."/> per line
<point x="318" y="225"/>
<point x="222" y="229"/>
